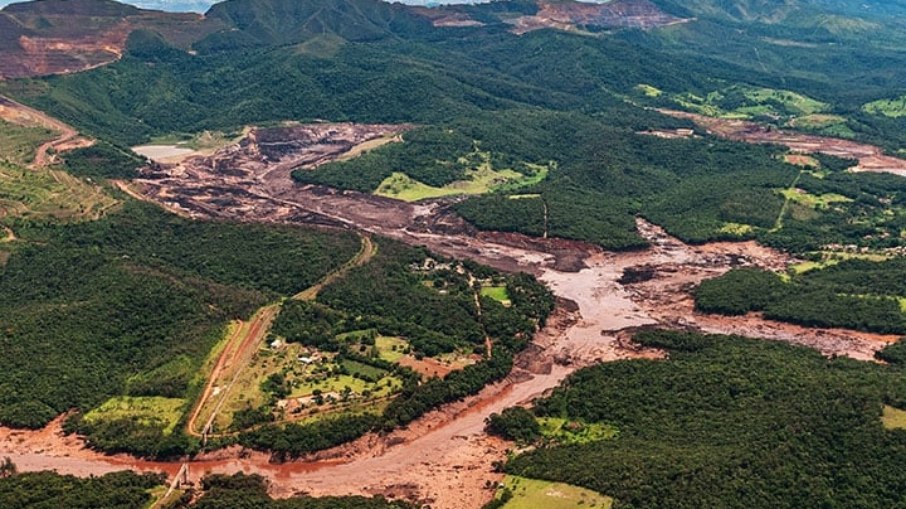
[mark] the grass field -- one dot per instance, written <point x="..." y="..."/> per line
<point x="893" y="108"/>
<point x="893" y="418"/>
<point x="362" y="369"/>
<point x="801" y="103"/>
<point x="649" y="90"/>
<point x="829" y="258"/>
<point x="497" y="293"/>
<point x="567" y="432"/>
<point x="737" y="229"/>
<point x="481" y="180"/>
<point x="743" y="102"/>
<point x="537" y="494"/>
<point x="49" y="195"/>
<point x="337" y="383"/>
<point x="147" y="410"/>
<point x="814" y="201"/>
<point x="391" y="349"/>
<point x="18" y="144"/>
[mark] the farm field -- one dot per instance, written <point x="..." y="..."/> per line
<point x="157" y="412"/>
<point x="536" y="494"/>
<point x="479" y="180"/>
<point x="35" y="195"/>
<point x="42" y="193"/>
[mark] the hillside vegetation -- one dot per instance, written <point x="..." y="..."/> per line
<point x="856" y="294"/>
<point x="727" y="417"/>
<point x="430" y="307"/>
<point x="96" y="303"/>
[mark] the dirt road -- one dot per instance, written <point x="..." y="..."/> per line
<point x="67" y="137"/>
<point x="368" y="250"/>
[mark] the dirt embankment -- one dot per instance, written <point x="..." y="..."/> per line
<point x="870" y="157"/>
<point x="445" y="459"/>
<point x="67" y="137"/>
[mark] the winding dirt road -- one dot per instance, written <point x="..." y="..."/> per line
<point x="67" y="137"/>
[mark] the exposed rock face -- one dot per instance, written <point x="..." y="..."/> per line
<point x="58" y="37"/>
<point x="616" y="14"/>
<point x="46" y="37"/>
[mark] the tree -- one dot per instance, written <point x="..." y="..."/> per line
<point x="7" y="468"/>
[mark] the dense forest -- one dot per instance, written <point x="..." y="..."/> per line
<point x="428" y="301"/>
<point x="250" y="491"/>
<point x="724" y="419"/>
<point x="855" y="294"/>
<point x="99" y="306"/>
<point x="120" y="490"/>
<point x="127" y="490"/>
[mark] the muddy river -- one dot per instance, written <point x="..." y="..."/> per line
<point x="444" y="459"/>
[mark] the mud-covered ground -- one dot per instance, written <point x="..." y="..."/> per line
<point x="443" y="459"/>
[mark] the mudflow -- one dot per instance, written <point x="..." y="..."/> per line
<point x="444" y="459"/>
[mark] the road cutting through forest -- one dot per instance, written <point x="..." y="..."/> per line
<point x="247" y="338"/>
<point x="444" y="458"/>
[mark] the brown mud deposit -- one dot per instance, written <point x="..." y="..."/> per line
<point x="870" y="157"/>
<point x="576" y="15"/>
<point x="443" y="459"/>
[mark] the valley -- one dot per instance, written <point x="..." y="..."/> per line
<point x="593" y="322"/>
<point x="322" y="254"/>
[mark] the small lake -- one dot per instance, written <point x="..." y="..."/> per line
<point x="162" y="153"/>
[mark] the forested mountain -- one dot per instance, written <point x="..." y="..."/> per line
<point x="542" y="123"/>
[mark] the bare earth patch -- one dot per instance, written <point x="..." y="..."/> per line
<point x="870" y="157"/>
